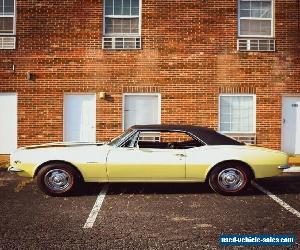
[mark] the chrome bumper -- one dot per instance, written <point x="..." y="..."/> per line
<point x="14" y="170"/>
<point x="283" y="167"/>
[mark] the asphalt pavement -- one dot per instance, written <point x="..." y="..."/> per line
<point x="143" y="216"/>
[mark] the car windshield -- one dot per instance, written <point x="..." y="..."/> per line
<point x="116" y="140"/>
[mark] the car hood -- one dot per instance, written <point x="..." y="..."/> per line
<point x="70" y="152"/>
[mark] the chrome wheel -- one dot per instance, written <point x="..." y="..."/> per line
<point x="231" y="179"/>
<point x="57" y="179"/>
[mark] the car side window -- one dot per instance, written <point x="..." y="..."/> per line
<point x="132" y="142"/>
<point x="167" y="140"/>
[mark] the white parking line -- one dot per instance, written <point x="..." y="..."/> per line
<point x="96" y="208"/>
<point x="278" y="200"/>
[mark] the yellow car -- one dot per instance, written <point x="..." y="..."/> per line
<point x="150" y="153"/>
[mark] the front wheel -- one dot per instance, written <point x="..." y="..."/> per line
<point x="57" y="179"/>
<point x="230" y="179"/>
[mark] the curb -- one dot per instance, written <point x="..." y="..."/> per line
<point x="294" y="169"/>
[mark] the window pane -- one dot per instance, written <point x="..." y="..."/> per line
<point x="117" y="25"/>
<point x="126" y="26"/>
<point x="6" y="25"/>
<point x="259" y="9"/>
<point x="121" y="25"/>
<point x="255" y="27"/>
<point x="109" y="7"/>
<point x="245" y="5"/>
<point x="240" y="117"/>
<point x="266" y="10"/>
<point x="225" y="127"/>
<point x="134" y="25"/>
<point x="126" y="7"/>
<point x="109" y="25"/>
<point x="1" y="7"/>
<point x="118" y="7"/>
<point x="9" y="7"/>
<point x="265" y="27"/>
<point x="255" y="12"/>
<point x="134" y="7"/>
<point x="245" y="13"/>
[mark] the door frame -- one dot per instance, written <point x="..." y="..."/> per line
<point x="79" y="93"/>
<point x="141" y="94"/>
<point x="281" y="122"/>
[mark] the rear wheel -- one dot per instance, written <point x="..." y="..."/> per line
<point x="230" y="178"/>
<point x="57" y="179"/>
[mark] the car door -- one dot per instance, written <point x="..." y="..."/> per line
<point x="153" y="164"/>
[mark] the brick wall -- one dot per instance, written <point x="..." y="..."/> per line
<point x="189" y="55"/>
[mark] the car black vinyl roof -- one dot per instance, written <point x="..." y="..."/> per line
<point x="207" y="135"/>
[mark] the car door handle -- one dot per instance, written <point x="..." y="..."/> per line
<point x="181" y="155"/>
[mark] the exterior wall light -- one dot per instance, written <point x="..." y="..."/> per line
<point x="102" y="95"/>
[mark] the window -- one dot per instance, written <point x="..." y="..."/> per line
<point x="7" y="17"/>
<point x="168" y="140"/>
<point x="256" y="18"/>
<point x="141" y="109"/>
<point x="7" y="24"/>
<point x="237" y="116"/>
<point x="122" y="24"/>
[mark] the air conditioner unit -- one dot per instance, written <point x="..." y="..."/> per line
<point x="243" y="137"/>
<point x="256" y="44"/>
<point x="7" y="42"/>
<point x="121" y="43"/>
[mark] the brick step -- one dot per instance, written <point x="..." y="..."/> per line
<point x="4" y="160"/>
<point x="294" y="160"/>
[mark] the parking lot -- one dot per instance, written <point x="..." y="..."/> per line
<point x="143" y="216"/>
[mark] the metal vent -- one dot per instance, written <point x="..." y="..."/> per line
<point x="121" y="43"/>
<point x="148" y="136"/>
<point x="7" y="42"/>
<point x="256" y="44"/>
<point x="246" y="138"/>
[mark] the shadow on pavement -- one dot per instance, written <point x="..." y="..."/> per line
<point x="285" y="184"/>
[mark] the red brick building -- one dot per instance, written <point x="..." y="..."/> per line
<point x="87" y="69"/>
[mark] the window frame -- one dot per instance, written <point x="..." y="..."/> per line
<point x="137" y="133"/>
<point x="249" y="18"/>
<point x="254" y="113"/>
<point x="140" y="94"/>
<point x="14" y="21"/>
<point x="123" y="16"/>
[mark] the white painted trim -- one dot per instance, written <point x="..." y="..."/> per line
<point x="254" y="113"/>
<point x="258" y="36"/>
<point x="277" y="199"/>
<point x="96" y="208"/>
<point x="140" y="94"/>
<point x="122" y="16"/>
<point x="78" y="93"/>
<point x="14" y="16"/>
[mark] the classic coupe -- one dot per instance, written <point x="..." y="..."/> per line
<point x="150" y="153"/>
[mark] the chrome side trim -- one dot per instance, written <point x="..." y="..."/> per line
<point x="14" y="170"/>
<point x="284" y="167"/>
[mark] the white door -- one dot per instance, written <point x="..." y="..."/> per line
<point x="141" y="109"/>
<point x="80" y="117"/>
<point x="291" y="125"/>
<point x="8" y="122"/>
